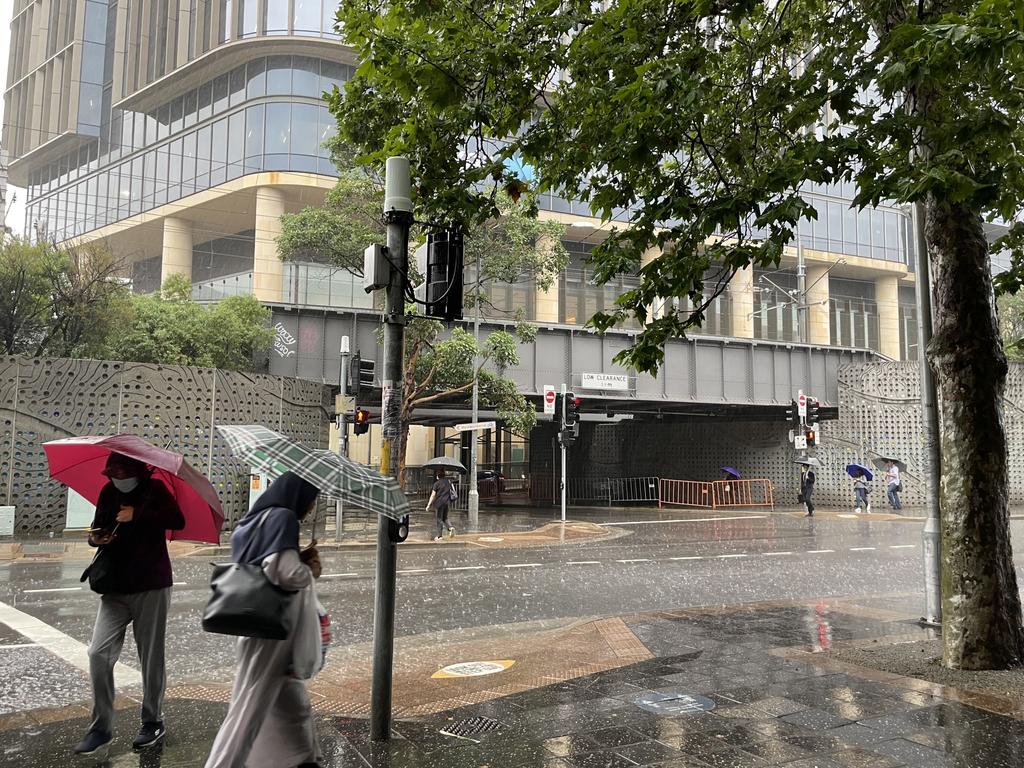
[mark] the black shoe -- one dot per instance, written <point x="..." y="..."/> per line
<point x="93" y="742"/>
<point x="149" y="734"/>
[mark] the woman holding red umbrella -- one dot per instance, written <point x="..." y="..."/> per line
<point x="132" y="573"/>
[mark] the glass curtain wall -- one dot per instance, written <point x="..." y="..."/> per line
<point x="580" y="298"/>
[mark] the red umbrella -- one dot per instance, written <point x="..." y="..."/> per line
<point x="78" y="462"/>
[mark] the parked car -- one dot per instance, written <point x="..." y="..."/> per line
<point x="490" y="482"/>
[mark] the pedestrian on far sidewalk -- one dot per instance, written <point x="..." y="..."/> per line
<point x="807" y="480"/>
<point x="442" y="494"/>
<point x="893" y="484"/>
<point x="269" y="723"/>
<point x="132" y="573"/>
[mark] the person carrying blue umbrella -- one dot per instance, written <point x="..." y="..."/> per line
<point x="861" y="477"/>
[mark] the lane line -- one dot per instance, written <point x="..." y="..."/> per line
<point x="54" y="589"/>
<point x="18" y="645"/>
<point x="722" y="557"/>
<point x="523" y="565"/>
<point x="863" y="549"/>
<point x="464" y="568"/>
<point x="415" y="570"/>
<point x="903" y="546"/>
<point x="59" y="644"/>
<point x="584" y="562"/>
<point x="635" y="560"/>
<point x="688" y="557"/>
<point x="337" y="575"/>
<point x="690" y="520"/>
<point x="819" y="551"/>
<point x="773" y="554"/>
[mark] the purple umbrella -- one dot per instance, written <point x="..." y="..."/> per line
<point x="730" y="471"/>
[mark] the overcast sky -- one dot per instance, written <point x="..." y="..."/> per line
<point x="15" y="209"/>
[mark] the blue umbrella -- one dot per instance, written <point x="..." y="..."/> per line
<point x="730" y="471"/>
<point x="854" y="469"/>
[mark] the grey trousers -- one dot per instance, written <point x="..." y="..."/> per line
<point x="147" y="613"/>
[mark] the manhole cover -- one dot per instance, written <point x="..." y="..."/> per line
<point x="674" y="703"/>
<point x="470" y="726"/>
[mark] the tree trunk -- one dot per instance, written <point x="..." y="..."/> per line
<point x="980" y="602"/>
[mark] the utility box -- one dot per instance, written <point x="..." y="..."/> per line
<point x="80" y="512"/>
<point x="376" y="269"/>
<point x="6" y="521"/>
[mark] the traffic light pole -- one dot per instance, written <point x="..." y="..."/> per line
<point x="339" y="514"/>
<point x="561" y="440"/>
<point x="398" y="214"/>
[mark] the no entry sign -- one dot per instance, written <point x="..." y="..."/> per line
<point x="549" y="399"/>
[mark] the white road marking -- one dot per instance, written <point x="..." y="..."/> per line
<point x="583" y="562"/>
<point x="724" y="556"/>
<point x="337" y="575"/>
<point x="18" y="645"/>
<point x="464" y="568"/>
<point x="773" y="554"/>
<point x="903" y="546"/>
<point x="180" y="583"/>
<point x="819" y="551"/>
<point x="688" y="557"/>
<point x="523" y="565"/>
<point x="415" y="570"/>
<point x="689" y="520"/>
<point x="863" y="549"/>
<point x="635" y="560"/>
<point x="54" y="589"/>
<point x="59" y="644"/>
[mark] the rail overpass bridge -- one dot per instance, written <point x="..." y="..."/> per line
<point x="701" y="376"/>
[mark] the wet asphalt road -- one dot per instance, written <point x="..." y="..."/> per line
<point x="662" y="562"/>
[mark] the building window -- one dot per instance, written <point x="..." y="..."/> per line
<point x="853" y="314"/>
<point x="580" y="297"/>
<point x="776" y="317"/>
<point x="277" y="17"/>
<point x="307" y="16"/>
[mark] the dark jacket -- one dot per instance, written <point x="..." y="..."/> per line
<point x="139" y="548"/>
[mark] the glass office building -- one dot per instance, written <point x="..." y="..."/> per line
<point x="179" y="131"/>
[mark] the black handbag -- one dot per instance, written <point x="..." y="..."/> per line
<point x="101" y="573"/>
<point x="245" y="603"/>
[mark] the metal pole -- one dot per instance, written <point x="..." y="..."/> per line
<point x="339" y="515"/>
<point x="801" y="288"/>
<point x="398" y="216"/>
<point x="930" y="425"/>
<point x="473" y="503"/>
<point x="561" y="439"/>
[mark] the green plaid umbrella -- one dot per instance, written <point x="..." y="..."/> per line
<point x="335" y="476"/>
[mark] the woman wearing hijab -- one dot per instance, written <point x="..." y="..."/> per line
<point x="270" y="721"/>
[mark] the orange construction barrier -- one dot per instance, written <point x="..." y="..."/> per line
<point x="700" y="494"/>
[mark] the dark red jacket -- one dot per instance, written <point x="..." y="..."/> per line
<point x="139" y="549"/>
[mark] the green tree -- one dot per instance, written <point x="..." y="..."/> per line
<point x="441" y="369"/>
<point x="171" y="329"/>
<point x="705" y="119"/>
<point x="1011" y="325"/>
<point x="58" y="301"/>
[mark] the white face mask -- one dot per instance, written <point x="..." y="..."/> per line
<point x="126" y="484"/>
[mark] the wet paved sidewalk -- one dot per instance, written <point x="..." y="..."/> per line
<point x="724" y="687"/>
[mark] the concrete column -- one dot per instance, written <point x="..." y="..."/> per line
<point x="819" y="324"/>
<point x="547" y="304"/>
<point x="176" y="257"/>
<point x="741" y="304"/>
<point x="887" y="297"/>
<point x="268" y="270"/>
<point x="658" y="308"/>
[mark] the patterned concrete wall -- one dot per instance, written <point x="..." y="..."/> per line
<point x="879" y="414"/>
<point x="172" y="406"/>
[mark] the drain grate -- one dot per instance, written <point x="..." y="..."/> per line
<point x="470" y="726"/>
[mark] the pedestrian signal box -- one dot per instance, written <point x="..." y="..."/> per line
<point x="812" y="438"/>
<point x="361" y="421"/>
<point x="572" y="409"/>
